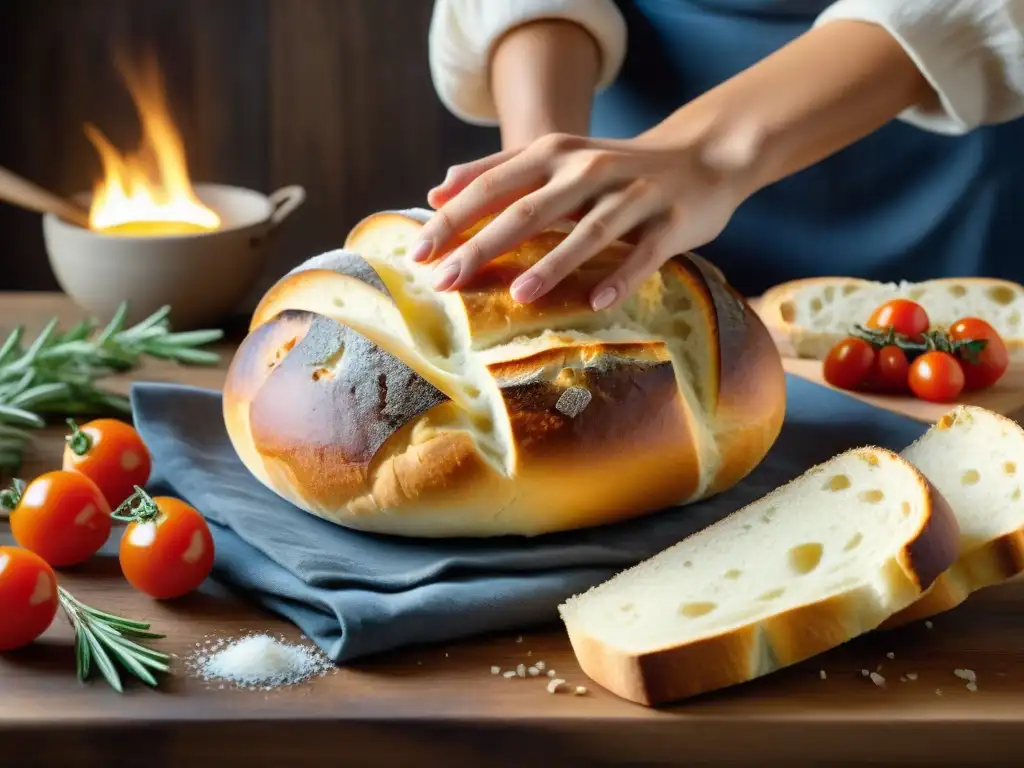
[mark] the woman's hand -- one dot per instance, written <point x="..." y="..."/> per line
<point x="667" y="196"/>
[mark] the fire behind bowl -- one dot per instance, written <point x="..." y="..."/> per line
<point x="202" y="276"/>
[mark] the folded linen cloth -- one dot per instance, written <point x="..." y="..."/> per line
<point x="356" y="594"/>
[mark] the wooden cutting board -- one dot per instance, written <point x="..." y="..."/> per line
<point x="1006" y="397"/>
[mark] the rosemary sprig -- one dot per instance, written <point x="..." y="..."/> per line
<point x="57" y="374"/>
<point x="107" y="641"/>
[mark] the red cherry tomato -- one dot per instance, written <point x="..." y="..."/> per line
<point x="111" y="454"/>
<point x="904" y="316"/>
<point x="848" y="363"/>
<point x="61" y="516"/>
<point x="889" y="372"/>
<point x="167" y="549"/>
<point x="981" y="369"/>
<point x="28" y="597"/>
<point x="937" y="377"/>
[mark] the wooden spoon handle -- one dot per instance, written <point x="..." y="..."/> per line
<point x="25" y="194"/>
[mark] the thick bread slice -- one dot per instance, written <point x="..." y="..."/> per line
<point x="807" y="317"/>
<point x="819" y="561"/>
<point x="976" y="460"/>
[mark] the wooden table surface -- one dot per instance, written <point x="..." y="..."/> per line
<point x="440" y="704"/>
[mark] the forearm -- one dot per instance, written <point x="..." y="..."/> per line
<point x="826" y="90"/>
<point x="542" y="79"/>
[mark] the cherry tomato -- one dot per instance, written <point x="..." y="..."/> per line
<point x="889" y="372"/>
<point x="111" y="454"/>
<point x="848" y="363"/>
<point x="167" y="549"/>
<point x="981" y="369"/>
<point x="937" y="377"/>
<point x="61" y="516"/>
<point x="904" y="316"/>
<point x="28" y="597"/>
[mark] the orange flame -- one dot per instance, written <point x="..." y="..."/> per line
<point x="148" y="191"/>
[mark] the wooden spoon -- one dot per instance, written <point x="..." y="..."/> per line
<point x="25" y="194"/>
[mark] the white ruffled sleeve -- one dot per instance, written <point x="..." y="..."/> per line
<point x="463" y="33"/>
<point x="971" y="51"/>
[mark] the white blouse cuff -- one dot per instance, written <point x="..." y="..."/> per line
<point x="970" y="51"/>
<point x="464" y="32"/>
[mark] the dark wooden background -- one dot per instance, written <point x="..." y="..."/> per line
<point x="334" y="95"/>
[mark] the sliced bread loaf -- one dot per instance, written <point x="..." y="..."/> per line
<point x="976" y="459"/>
<point x="823" y="559"/>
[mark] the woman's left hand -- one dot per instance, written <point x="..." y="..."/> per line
<point x="667" y="197"/>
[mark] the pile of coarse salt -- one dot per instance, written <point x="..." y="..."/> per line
<point x="257" y="662"/>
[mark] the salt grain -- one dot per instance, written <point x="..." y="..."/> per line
<point x="260" y="660"/>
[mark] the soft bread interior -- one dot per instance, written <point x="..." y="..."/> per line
<point x="983" y="482"/>
<point x="835" y="531"/>
<point x="830" y="307"/>
<point x="663" y="310"/>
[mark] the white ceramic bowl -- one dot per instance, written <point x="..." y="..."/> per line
<point x="203" y="276"/>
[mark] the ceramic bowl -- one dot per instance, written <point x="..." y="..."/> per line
<point x="202" y="276"/>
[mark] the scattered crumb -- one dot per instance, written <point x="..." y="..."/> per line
<point x="928" y="625"/>
<point x="446" y="655"/>
<point x="495" y="670"/>
<point x="509" y="675"/>
<point x="911" y="675"/>
<point x="580" y="690"/>
<point x="532" y="671"/>
<point x="521" y="670"/>
<point x="966" y="674"/>
<point x="822" y="674"/>
<point x="938" y="691"/>
<point x="555" y="684"/>
<point x="519" y="639"/>
<point x="890" y="655"/>
<point x="419" y="663"/>
<point x="529" y="653"/>
<point x="551" y="673"/>
<point x="541" y="666"/>
<point x="1000" y="674"/>
<point x="972" y="687"/>
<point x="864" y="673"/>
<point x="877" y="679"/>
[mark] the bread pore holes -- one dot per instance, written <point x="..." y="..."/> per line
<point x="816" y="305"/>
<point x="788" y="311"/>
<point x="957" y="291"/>
<point x="1016" y="493"/>
<point x="771" y="594"/>
<point x="805" y="558"/>
<point x="696" y="610"/>
<point x="871" y="496"/>
<point x="970" y="477"/>
<point x="838" y="483"/>
<point x="1001" y="294"/>
<point x="1010" y="468"/>
<point x="905" y="508"/>
<point x="733" y="573"/>
<point x="854" y="542"/>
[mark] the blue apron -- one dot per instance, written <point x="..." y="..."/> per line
<point x="901" y="204"/>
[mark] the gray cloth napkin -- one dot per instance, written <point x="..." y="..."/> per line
<point x="356" y="594"/>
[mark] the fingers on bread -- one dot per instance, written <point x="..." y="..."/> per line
<point x="819" y="561"/>
<point x="366" y="397"/>
<point x="807" y="317"/>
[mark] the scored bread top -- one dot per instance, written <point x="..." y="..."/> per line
<point x="820" y="560"/>
<point x="545" y="416"/>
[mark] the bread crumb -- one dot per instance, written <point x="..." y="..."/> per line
<point x="903" y="678"/>
<point x="928" y="625"/>
<point x="519" y="639"/>
<point x="911" y="675"/>
<point x="495" y="670"/>
<point x="972" y="687"/>
<point x="822" y="674"/>
<point x="864" y="673"/>
<point x="529" y="653"/>
<point x="938" y="691"/>
<point x="521" y="670"/>
<point x="446" y="655"/>
<point x="580" y="690"/>
<point x="541" y="666"/>
<point x="551" y="673"/>
<point x="555" y="684"/>
<point x="877" y="679"/>
<point x="966" y="674"/>
<point x="890" y="655"/>
<point x="532" y="671"/>
<point x="509" y="675"/>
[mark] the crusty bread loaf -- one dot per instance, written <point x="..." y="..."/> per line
<point x="819" y="561"/>
<point x="367" y="398"/>
<point x="976" y="459"/>
<point x="807" y="317"/>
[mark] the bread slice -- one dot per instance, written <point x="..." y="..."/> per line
<point x="976" y="459"/>
<point x="821" y="560"/>
<point x="807" y="317"/>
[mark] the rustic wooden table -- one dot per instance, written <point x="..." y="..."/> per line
<point x="440" y="705"/>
